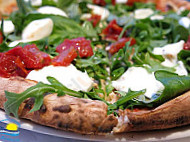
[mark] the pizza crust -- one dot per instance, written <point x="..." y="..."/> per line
<point x="7" y="7"/>
<point x="69" y="113"/>
<point x="169" y="115"/>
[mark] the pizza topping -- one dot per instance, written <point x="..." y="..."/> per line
<point x="99" y="11"/>
<point x="185" y="21"/>
<point x="51" y="10"/>
<point x="99" y="2"/>
<point x="112" y="31"/>
<point x="143" y="13"/>
<point x="115" y="47"/>
<point x="31" y="56"/>
<point x="136" y="79"/>
<point x="187" y="44"/>
<point x="11" y="66"/>
<point x="170" y="53"/>
<point x="38" y="29"/>
<point x="68" y="76"/>
<point x="8" y="26"/>
<point x="81" y="45"/>
<point x="95" y="19"/>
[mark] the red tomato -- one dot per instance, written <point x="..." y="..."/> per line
<point x="160" y="5"/>
<point x="1" y="37"/>
<point x="95" y="19"/>
<point x="112" y="31"/>
<point x="113" y="2"/>
<point x="131" y="2"/>
<point x="99" y="2"/>
<point x="65" y="57"/>
<point x="32" y="57"/>
<point x="11" y="66"/>
<point x="115" y="47"/>
<point x="81" y="45"/>
<point x="187" y="44"/>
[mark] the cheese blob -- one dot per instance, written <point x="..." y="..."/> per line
<point x="51" y="10"/>
<point x="170" y="52"/>
<point x="143" y="13"/>
<point x="136" y="79"/>
<point x="35" y="2"/>
<point x="68" y="76"/>
<point x="121" y="1"/>
<point x="157" y="17"/>
<point x="38" y="29"/>
<point x="103" y="12"/>
<point x="8" y="26"/>
<point x="185" y="22"/>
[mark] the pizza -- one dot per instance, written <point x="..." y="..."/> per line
<point x="97" y="67"/>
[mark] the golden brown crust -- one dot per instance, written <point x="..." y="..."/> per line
<point x="7" y="7"/>
<point x="66" y="113"/>
<point x="171" y="114"/>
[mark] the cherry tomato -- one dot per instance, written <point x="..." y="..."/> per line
<point x="112" y="31"/>
<point x="95" y="19"/>
<point x="65" y="57"/>
<point x="187" y="44"/>
<point x="99" y="2"/>
<point x="82" y="46"/>
<point x="115" y="47"/>
<point x="32" y="57"/>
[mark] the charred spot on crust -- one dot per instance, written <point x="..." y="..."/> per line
<point x="106" y="129"/>
<point x="84" y="101"/>
<point x="29" y="103"/>
<point x="59" y="124"/>
<point x="81" y="111"/>
<point x="43" y="109"/>
<point x="63" y="109"/>
<point x="55" y="116"/>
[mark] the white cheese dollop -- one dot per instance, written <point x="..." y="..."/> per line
<point x="51" y="10"/>
<point x="121" y="1"/>
<point x="185" y="22"/>
<point x="136" y="79"/>
<point x="68" y="76"/>
<point x="103" y="12"/>
<point x="38" y="29"/>
<point x="8" y="26"/>
<point x="170" y="52"/>
<point x="157" y="17"/>
<point x="143" y="13"/>
<point x="35" y="2"/>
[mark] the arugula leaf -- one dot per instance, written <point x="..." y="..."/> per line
<point x="126" y="97"/>
<point x="184" y="56"/>
<point x="14" y="100"/>
<point x="95" y="65"/>
<point x="174" y="85"/>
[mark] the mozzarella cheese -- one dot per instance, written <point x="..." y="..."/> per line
<point x="157" y="17"/>
<point x="136" y="79"/>
<point x="143" y="13"/>
<point x="121" y="1"/>
<point x="185" y="22"/>
<point x="170" y="52"/>
<point x="68" y="76"/>
<point x="35" y="2"/>
<point x="38" y="29"/>
<point x="51" y="10"/>
<point x="8" y="26"/>
<point x="99" y="10"/>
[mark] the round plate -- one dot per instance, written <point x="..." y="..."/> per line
<point x="161" y="135"/>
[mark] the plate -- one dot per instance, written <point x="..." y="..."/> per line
<point x="161" y="135"/>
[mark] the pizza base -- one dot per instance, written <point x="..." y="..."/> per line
<point x="87" y="116"/>
<point x="7" y="7"/>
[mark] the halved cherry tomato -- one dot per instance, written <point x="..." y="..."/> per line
<point x="32" y="57"/>
<point x="99" y="2"/>
<point x="11" y="66"/>
<point x="81" y="45"/>
<point x="65" y="57"/>
<point x="115" y="47"/>
<point x="1" y="37"/>
<point x="95" y="19"/>
<point x="187" y="44"/>
<point x="112" y="31"/>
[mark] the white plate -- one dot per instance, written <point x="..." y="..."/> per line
<point x="164" y="135"/>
